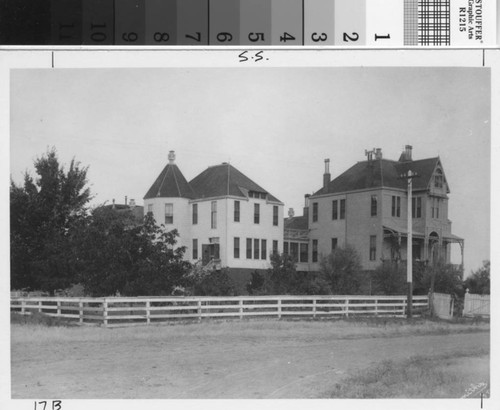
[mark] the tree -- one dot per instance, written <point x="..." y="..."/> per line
<point x="390" y="279"/>
<point x="117" y="256"/>
<point x="479" y="281"/>
<point x="341" y="270"/>
<point x="43" y="214"/>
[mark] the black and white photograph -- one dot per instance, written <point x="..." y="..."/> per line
<point x="243" y="233"/>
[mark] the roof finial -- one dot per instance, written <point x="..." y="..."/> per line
<point x="171" y="157"/>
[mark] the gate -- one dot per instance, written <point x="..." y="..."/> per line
<point x="442" y="305"/>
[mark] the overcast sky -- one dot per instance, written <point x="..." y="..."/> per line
<point x="276" y="125"/>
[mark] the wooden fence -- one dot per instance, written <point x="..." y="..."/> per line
<point x="123" y="311"/>
<point x="476" y="305"/>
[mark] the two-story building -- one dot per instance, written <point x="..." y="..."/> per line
<point x="366" y="207"/>
<point x="222" y="216"/>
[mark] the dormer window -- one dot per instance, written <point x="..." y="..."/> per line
<point x="258" y="195"/>
<point x="438" y="178"/>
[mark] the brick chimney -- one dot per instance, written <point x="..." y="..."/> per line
<point x="406" y="154"/>
<point x="327" y="176"/>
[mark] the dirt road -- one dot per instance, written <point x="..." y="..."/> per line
<point x="243" y="366"/>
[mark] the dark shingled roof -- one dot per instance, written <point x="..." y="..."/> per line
<point x="224" y="179"/>
<point x="171" y="184"/>
<point x="297" y="222"/>
<point x="382" y="173"/>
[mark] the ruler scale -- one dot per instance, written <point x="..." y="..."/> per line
<point x="329" y="23"/>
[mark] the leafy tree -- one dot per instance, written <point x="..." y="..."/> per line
<point x="43" y="215"/>
<point x="341" y="270"/>
<point x="479" y="281"/>
<point x="117" y="256"/>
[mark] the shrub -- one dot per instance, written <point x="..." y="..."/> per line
<point x="341" y="271"/>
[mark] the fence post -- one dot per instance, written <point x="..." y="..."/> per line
<point x="58" y="308"/>
<point x="376" y="307"/>
<point x="346" y="307"/>
<point x="199" y="310"/>
<point x="105" y="312"/>
<point x="314" y="308"/>
<point x="240" y="303"/>
<point x="23" y="306"/>
<point x="40" y="306"/>
<point x="80" y="310"/>
<point x="279" y="308"/>
<point x="148" y="313"/>
<point x="466" y="302"/>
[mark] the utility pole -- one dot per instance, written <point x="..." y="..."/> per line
<point x="409" y="250"/>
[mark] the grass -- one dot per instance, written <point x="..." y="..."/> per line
<point x="444" y="376"/>
<point x="40" y="328"/>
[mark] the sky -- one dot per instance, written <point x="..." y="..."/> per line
<point x="276" y="125"/>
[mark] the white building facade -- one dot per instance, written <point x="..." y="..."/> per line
<point x="222" y="216"/>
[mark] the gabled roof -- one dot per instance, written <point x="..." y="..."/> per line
<point x="224" y="179"/>
<point x="171" y="184"/>
<point x="378" y="173"/>
<point x="297" y="222"/>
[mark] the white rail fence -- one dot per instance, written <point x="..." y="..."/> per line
<point x="476" y="305"/>
<point x="125" y="311"/>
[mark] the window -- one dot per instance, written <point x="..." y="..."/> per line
<point x="236" y="248"/>
<point x="416" y="207"/>
<point x="335" y="210"/>
<point x="294" y="250"/>
<point x="169" y="213"/>
<point x="150" y="208"/>
<point x="373" y="210"/>
<point x="285" y="248"/>
<point x="334" y="244"/>
<point x="263" y="249"/>
<point x="236" y="211"/>
<point x="213" y="217"/>
<point x="195" y="214"/>
<point x="304" y="252"/>
<point x="342" y="209"/>
<point x="396" y="206"/>
<point x="275" y="215"/>
<point x="256" y="250"/>
<point x="256" y="213"/>
<point x="275" y="247"/>
<point x="435" y="208"/>
<point x="315" y="212"/>
<point x="195" y="248"/>
<point x="438" y="179"/>
<point x="373" y="247"/>
<point x="315" y="251"/>
<point x="249" y="248"/>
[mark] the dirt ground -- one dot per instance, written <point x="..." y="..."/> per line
<point x="240" y="361"/>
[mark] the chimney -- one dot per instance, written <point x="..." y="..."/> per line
<point x="306" y="205"/>
<point x="132" y="203"/>
<point x="125" y="200"/>
<point x="408" y="149"/>
<point x="291" y="213"/>
<point x="171" y="157"/>
<point x="378" y="153"/>
<point x="326" y="175"/>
